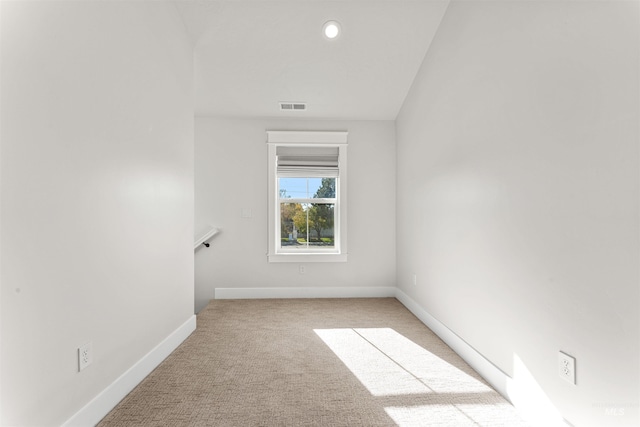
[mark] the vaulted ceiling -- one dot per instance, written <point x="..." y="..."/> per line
<point x="250" y="55"/>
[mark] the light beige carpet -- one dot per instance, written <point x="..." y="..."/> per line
<point x="312" y="362"/>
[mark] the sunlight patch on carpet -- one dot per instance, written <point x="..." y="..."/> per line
<point x="435" y="373"/>
<point x="471" y="415"/>
<point x="437" y="415"/>
<point x="378" y="373"/>
<point x="388" y="364"/>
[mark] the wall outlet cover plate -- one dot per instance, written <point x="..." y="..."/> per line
<point x="85" y="356"/>
<point x="567" y="367"/>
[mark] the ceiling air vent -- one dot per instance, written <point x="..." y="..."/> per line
<point x="293" y="106"/>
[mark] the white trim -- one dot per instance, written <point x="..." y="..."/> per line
<point x="307" y="257"/>
<point x="477" y="361"/>
<point x="500" y="381"/>
<point x="302" y="138"/>
<point x="308" y="292"/>
<point x="307" y="137"/>
<point x="99" y="406"/>
<point x="104" y="402"/>
<point x="491" y="373"/>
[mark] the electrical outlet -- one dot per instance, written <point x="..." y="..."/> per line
<point x="302" y="269"/>
<point x="567" y="367"/>
<point x="85" y="356"/>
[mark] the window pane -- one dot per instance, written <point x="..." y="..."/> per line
<point x="307" y="225"/>
<point x="293" y="220"/>
<point x="306" y="188"/>
<point x="323" y="188"/>
<point x="321" y="221"/>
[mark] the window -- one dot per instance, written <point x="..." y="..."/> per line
<point x="307" y="196"/>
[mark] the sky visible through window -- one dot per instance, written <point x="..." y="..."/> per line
<point x="299" y="188"/>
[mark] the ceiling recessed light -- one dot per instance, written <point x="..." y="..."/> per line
<point x="331" y="30"/>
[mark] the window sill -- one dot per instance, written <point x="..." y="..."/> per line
<point x="299" y="258"/>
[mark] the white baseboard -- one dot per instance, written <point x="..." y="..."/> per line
<point x="100" y="406"/>
<point x="311" y="292"/>
<point x="490" y="372"/>
<point x="529" y="400"/>
<point x="485" y="368"/>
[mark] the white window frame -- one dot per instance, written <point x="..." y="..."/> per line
<point x="276" y="139"/>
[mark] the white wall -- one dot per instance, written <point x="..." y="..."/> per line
<point x="518" y="194"/>
<point x="231" y="174"/>
<point x="97" y="196"/>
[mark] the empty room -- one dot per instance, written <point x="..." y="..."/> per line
<point x="320" y="213"/>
